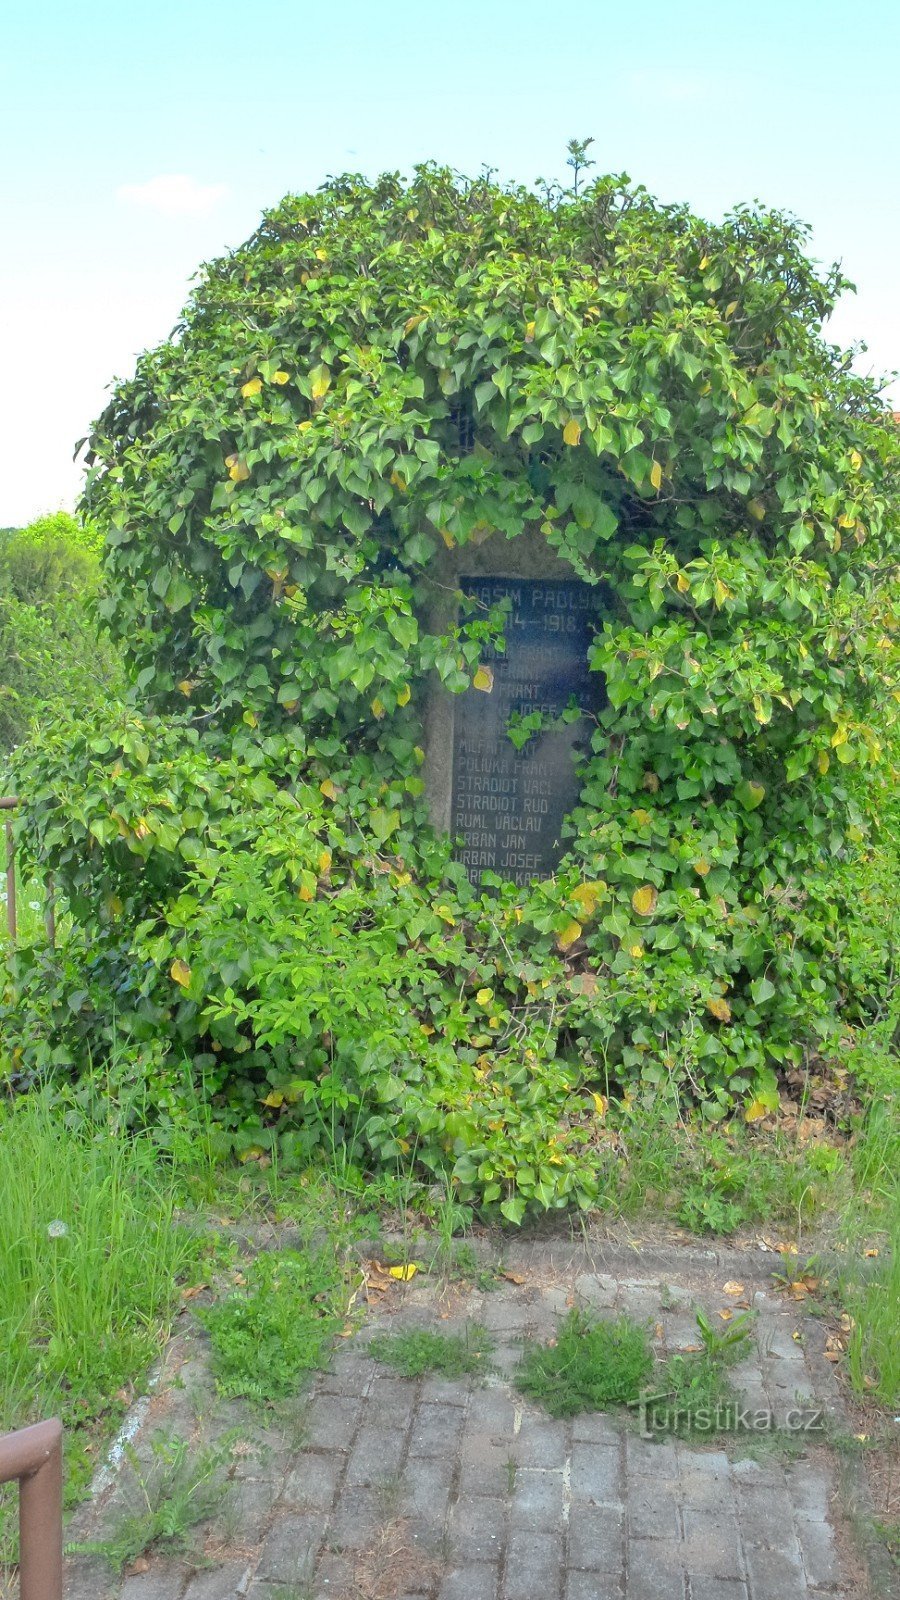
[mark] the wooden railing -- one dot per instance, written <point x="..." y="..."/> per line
<point x="34" y="1457"/>
<point x="9" y="804"/>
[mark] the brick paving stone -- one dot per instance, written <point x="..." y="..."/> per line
<point x="766" y="1519"/>
<point x="651" y="1458"/>
<point x="332" y="1421"/>
<point x="160" y="1583"/>
<point x="357" y="1519"/>
<point x="289" y="1552"/>
<point x="477" y="1580"/>
<point x="596" y="1538"/>
<point x="537" y="1499"/>
<point x="484" y="1464"/>
<point x="491" y="1411"/>
<point x="436" y="1430"/>
<point x="444" y="1392"/>
<point x="817" y="1549"/>
<point x="541" y="1442"/>
<point x="219" y="1583"/>
<point x="809" y="1487"/>
<point x="595" y="1427"/>
<point x="312" y="1485"/>
<point x="249" y="1504"/>
<point x="350" y="1373"/>
<point x="377" y="1454"/>
<point x="592" y="1586"/>
<point x="534" y="1566"/>
<point x="597" y="1290"/>
<point x="775" y="1574"/>
<point x="712" y="1544"/>
<point x="654" y="1570"/>
<point x="426" y="1486"/>
<point x="477" y="1528"/>
<point x="652" y="1509"/>
<point x="595" y="1473"/>
<point x="703" y="1588"/>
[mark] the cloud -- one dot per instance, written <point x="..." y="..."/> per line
<point x="173" y="194"/>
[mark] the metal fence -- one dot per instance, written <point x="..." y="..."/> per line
<point x="34" y="1457"/>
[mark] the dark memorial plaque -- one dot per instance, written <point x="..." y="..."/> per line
<point x="507" y="804"/>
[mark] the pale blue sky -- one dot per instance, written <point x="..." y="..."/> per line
<point x="793" y="102"/>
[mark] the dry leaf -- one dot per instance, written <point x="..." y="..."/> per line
<point x="732" y="1287"/>
<point x="513" y="1277"/>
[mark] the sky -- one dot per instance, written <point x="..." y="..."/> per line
<point x="140" y="140"/>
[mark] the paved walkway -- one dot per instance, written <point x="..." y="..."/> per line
<point x="389" y="1489"/>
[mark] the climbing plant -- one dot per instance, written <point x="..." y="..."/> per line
<point x="384" y="370"/>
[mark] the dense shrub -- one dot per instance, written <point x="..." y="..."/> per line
<point x="382" y="370"/>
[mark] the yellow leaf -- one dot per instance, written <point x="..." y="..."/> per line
<point x="308" y="886"/>
<point x="186" y="687"/>
<point x="403" y="1274"/>
<point x="570" y="933"/>
<point x="238" y="471"/>
<point x="682" y="583"/>
<point x="727" y="1314"/>
<point x="644" y="900"/>
<point x="719" y="1008"/>
<point x="704" y="263"/>
<point x="324" y="860"/>
<point x="702" y="867"/>
<point x="377" y="708"/>
<point x="484" y="679"/>
<point x="275" y="1099"/>
<point x="855" y="460"/>
<point x="756" y="509"/>
<point x="572" y="432"/>
<point x="399" y="482"/>
<point x="588" y="896"/>
<point x="529" y="332"/>
<point x="656" y="475"/>
<point x="823" y="761"/>
<point x="636" y="951"/>
<point x="405" y="1146"/>
<point x="600" y="1104"/>
<point x="320" y="382"/>
<point x="756" y="1110"/>
<point x="733" y="1287"/>
<point x="731" y="308"/>
<point x="448" y="538"/>
<point x="181" y="973"/>
<point x="446" y="915"/>
<point x="413" y="322"/>
<point x="404" y="696"/>
<point x="251" y="388"/>
<point x="304" y="427"/>
<point x="281" y="377"/>
<point x="321" y="255"/>
<point x="328" y="789"/>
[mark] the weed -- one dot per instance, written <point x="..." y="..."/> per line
<point x="728" y="1343"/>
<point x="588" y="1366"/>
<point x="90" y="1258"/>
<point x="177" y="1490"/>
<point x="278" y="1325"/>
<point x="419" y="1351"/>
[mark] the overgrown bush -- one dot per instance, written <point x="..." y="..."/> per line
<point x="383" y="370"/>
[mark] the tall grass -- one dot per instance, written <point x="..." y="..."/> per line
<point x="90" y="1257"/>
<point x="871" y="1288"/>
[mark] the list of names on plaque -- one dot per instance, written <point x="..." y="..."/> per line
<point x="508" y="805"/>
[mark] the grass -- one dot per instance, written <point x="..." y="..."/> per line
<point x="90" y="1261"/>
<point x="279" y="1324"/>
<point x="869" y="1284"/>
<point x="420" y="1351"/>
<point x="588" y="1366"/>
<point x="176" y="1491"/>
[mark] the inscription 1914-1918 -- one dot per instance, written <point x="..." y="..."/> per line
<point x="507" y="804"/>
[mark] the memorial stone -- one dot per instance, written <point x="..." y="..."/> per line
<point x="508" y="804"/>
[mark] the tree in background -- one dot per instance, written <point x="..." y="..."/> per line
<point x="51" y="654"/>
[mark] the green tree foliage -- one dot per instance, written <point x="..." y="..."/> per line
<point x="383" y="370"/>
<point x="50" y="651"/>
